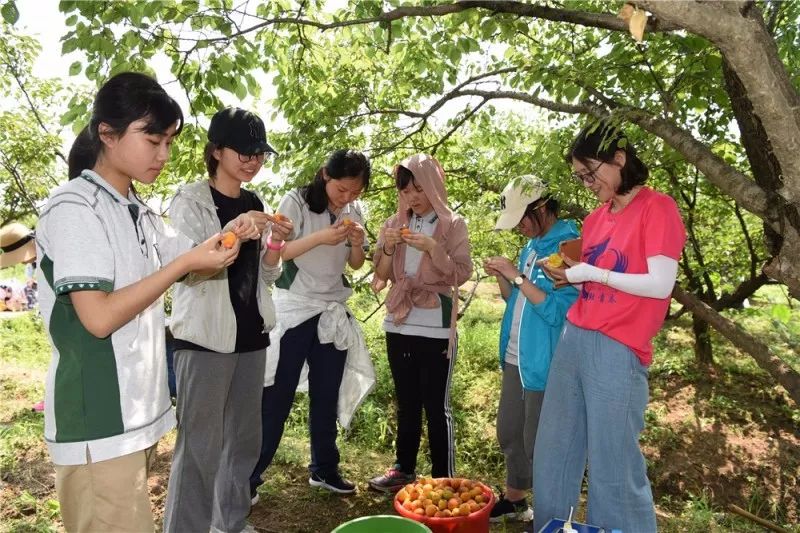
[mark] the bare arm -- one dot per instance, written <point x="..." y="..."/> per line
<point x="332" y="235"/>
<point x="102" y="313"/>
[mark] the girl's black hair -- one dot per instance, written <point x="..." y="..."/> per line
<point x="402" y="177"/>
<point x="123" y="99"/>
<point x="535" y="211"/>
<point x="212" y="163"/>
<point x="341" y="164"/>
<point x="600" y="142"/>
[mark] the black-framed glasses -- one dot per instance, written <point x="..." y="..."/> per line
<point x="260" y="157"/>
<point x="587" y="178"/>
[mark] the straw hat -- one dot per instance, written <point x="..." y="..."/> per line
<point x="16" y="245"/>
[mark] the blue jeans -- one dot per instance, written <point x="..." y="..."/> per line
<point x="593" y="410"/>
<point x="325" y="370"/>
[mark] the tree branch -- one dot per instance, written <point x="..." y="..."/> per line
<point x="725" y="177"/>
<point x="773" y="365"/>
<point x="13" y="69"/>
<point x="608" y="21"/>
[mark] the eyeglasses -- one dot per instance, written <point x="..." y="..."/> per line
<point x="587" y="178"/>
<point x="260" y="157"/>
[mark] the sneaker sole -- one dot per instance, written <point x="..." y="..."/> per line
<point x="322" y="485"/>
<point x="254" y="500"/>
<point x="522" y="516"/>
<point x="387" y="490"/>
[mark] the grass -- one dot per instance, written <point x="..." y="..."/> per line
<point x="713" y="437"/>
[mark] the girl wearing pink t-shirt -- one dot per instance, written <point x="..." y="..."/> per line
<point x="597" y="391"/>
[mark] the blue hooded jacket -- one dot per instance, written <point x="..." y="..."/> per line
<point x="540" y="324"/>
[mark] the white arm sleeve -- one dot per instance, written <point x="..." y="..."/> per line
<point x="656" y="283"/>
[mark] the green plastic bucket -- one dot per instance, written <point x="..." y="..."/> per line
<point x="382" y="524"/>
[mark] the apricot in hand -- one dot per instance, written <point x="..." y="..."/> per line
<point x="555" y="260"/>
<point x="228" y="239"/>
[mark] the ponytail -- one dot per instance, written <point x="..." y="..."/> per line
<point x="83" y="153"/>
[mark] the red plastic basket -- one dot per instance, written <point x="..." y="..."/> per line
<point x="477" y="522"/>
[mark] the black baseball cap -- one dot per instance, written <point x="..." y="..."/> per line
<point x="239" y="130"/>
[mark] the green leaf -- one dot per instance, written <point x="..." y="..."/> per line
<point x="69" y="46"/>
<point x="571" y="92"/>
<point x="10" y="12"/>
<point x="781" y="312"/>
<point x="75" y="68"/>
<point x="240" y="90"/>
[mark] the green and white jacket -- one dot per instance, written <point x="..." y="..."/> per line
<point x="104" y="398"/>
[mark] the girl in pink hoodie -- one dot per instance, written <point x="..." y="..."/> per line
<point x="424" y="250"/>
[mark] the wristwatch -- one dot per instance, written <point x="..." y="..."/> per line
<point x="517" y="282"/>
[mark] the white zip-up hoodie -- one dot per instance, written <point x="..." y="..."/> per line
<point x="202" y="312"/>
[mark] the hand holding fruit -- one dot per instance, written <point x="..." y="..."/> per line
<point x="556" y="266"/>
<point x="244" y="227"/>
<point x="501" y="266"/>
<point x="281" y="227"/>
<point x="211" y="255"/>
<point x="420" y="241"/>
<point x="392" y="236"/>
<point x="333" y="235"/>
<point x="260" y="219"/>
<point x="355" y="232"/>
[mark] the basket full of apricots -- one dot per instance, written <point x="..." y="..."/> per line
<point x="447" y="505"/>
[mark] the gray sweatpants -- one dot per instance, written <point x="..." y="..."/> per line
<point x="219" y="439"/>
<point x="517" y="420"/>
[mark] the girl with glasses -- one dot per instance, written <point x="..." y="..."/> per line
<point x="221" y="327"/>
<point x="597" y="390"/>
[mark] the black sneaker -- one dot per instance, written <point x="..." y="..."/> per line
<point x="392" y="481"/>
<point x="333" y="482"/>
<point x="253" y="497"/>
<point x="507" y="510"/>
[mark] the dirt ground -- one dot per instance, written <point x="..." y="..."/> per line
<point x="743" y="451"/>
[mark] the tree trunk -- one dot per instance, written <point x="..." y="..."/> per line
<point x="703" y="350"/>
<point x="783" y="374"/>
<point x="765" y="166"/>
<point x="738" y="30"/>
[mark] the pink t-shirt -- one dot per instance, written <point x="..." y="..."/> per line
<point x="650" y="225"/>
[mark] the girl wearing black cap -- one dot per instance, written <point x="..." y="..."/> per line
<point x="221" y="327"/>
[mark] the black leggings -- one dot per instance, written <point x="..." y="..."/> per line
<point x="421" y="372"/>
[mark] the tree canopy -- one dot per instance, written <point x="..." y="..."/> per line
<point x="710" y="96"/>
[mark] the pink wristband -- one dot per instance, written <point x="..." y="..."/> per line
<point x="272" y="246"/>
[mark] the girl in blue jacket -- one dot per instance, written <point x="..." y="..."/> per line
<point x="531" y="326"/>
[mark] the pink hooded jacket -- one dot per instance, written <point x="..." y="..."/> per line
<point x="446" y="267"/>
